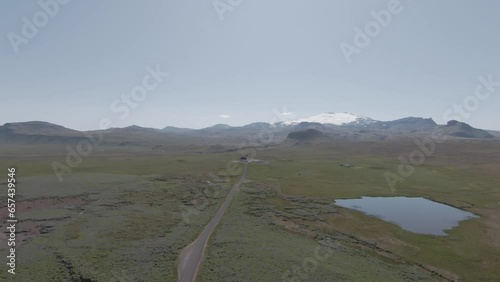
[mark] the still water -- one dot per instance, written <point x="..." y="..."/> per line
<point x="417" y="215"/>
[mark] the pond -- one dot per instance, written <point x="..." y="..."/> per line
<point x="418" y="215"/>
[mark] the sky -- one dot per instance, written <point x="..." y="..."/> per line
<point x="198" y="63"/>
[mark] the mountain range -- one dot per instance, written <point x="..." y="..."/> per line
<point x="343" y="126"/>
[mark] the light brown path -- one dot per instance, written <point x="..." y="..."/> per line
<point x="191" y="257"/>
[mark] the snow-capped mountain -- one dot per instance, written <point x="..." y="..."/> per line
<point x="333" y="118"/>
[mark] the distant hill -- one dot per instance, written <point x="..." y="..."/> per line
<point x="37" y="128"/>
<point x="305" y="135"/>
<point x="134" y="129"/>
<point x="461" y="129"/>
<point x="37" y="132"/>
<point x="218" y="126"/>
<point x="43" y="133"/>
<point x="258" y="125"/>
<point x="406" y="125"/>
<point x="173" y="129"/>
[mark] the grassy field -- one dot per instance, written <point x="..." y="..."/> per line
<point x="121" y="214"/>
<point x="465" y="179"/>
<point x="257" y="241"/>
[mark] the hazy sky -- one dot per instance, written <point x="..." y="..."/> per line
<point x="237" y="66"/>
